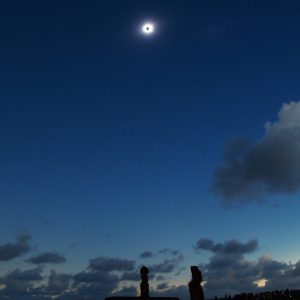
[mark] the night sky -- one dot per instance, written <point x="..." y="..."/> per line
<point x="176" y="148"/>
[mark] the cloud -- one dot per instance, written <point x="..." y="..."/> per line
<point x="162" y="286"/>
<point x="204" y="244"/>
<point x="47" y="257"/>
<point x="250" y="170"/>
<point x="19" y="283"/>
<point x="164" y="251"/>
<point x="126" y="291"/>
<point x="111" y="264"/>
<point x="96" y="290"/>
<point x="146" y="254"/>
<point x="229" y="272"/>
<point x="134" y="276"/>
<point x="180" y="291"/>
<point x="94" y="284"/>
<point x="90" y="277"/>
<point x="100" y="281"/>
<point x="231" y="246"/>
<point x="131" y="276"/>
<point x="27" y="275"/>
<point x="10" y="251"/>
<point x="167" y="251"/>
<point x="160" y="278"/>
<point x="167" y="266"/>
<point x="58" y="283"/>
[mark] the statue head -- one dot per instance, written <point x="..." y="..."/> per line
<point x="196" y="273"/>
<point x="144" y="272"/>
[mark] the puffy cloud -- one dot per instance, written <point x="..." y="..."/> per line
<point x="96" y="290"/>
<point x="229" y="272"/>
<point x="231" y="246"/>
<point x="204" y="244"/>
<point x="27" y="275"/>
<point x="94" y="284"/>
<point x="164" y="251"/>
<point x="111" y="264"/>
<point x="270" y="165"/>
<point x="90" y="277"/>
<point x="20" y="282"/>
<point x="58" y="283"/>
<point x="296" y="271"/>
<point x="167" y="266"/>
<point x="269" y="268"/>
<point x="47" y="257"/>
<point x="146" y="254"/>
<point x="98" y="282"/>
<point x="101" y="281"/>
<point x="10" y="251"/>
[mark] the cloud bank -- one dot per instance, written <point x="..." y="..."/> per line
<point x="250" y="170"/>
<point x="228" y="271"/>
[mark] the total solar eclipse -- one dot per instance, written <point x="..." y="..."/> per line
<point x="148" y="28"/>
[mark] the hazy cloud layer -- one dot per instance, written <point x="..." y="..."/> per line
<point x="47" y="257"/>
<point x="10" y="251"/>
<point x="270" y="165"/>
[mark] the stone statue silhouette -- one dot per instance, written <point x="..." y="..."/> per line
<point x="195" y="288"/>
<point x="144" y="284"/>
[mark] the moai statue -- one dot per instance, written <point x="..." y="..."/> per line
<point x="196" y="291"/>
<point x="144" y="284"/>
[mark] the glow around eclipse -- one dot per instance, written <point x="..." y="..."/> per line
<point x="148" y="28"/>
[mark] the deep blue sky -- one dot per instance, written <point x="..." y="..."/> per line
<point x="110" y="140"/>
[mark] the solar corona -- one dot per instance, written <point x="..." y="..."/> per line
<point x="148" y="29"/>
